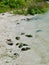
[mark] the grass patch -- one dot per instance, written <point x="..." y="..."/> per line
<point x="24" y="6"/>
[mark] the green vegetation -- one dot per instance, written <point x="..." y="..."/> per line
<point x="24" y="6"/>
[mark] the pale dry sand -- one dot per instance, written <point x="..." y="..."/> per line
<point x="12" y="26"/>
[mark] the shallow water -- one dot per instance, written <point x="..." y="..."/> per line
<point x="36" y="27"/>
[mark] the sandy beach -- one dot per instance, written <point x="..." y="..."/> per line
<point x="24" y="40"/>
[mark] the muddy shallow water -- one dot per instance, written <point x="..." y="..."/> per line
<point x="24" y="40"/>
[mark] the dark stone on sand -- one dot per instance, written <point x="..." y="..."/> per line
<point x="18" y="23"/>
<point x="25" y="44"/>
<point x="22" y="33"/>
<point x="25" y="49"/>
<point x="10" y="43"/>
<point x="7" y="62"/>
<point x="16" y="54"/>
<point x="17" y="43"/>
<point x="28" y="19"/>
<point x="3" y="14"/>
<point x="21" y="45"/>
<point x="17" y="38"/>
<point x="28" y="35"/>
<point x="38" y="30"/>
<point x="9" y="40"/>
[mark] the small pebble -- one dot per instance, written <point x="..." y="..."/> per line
<point x="18" y="23"/>
<point x="3" y="14"/>
<point x="25" y="44"/>
<point x="9" y="40"/>
<point x="22" y="33"/>
<point x="38" y="30"/>
<point x="17" y="43"/>
<point x="16" y="54"/>
<point x="25" y="49"/>
<point x="21" y="45"/>
<point x="10" y="43"/>
<point x="28" y="19"/>
<point x="17" y="38"/>
<point x="7" y="62"/>
<point x="28" y="35"/>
